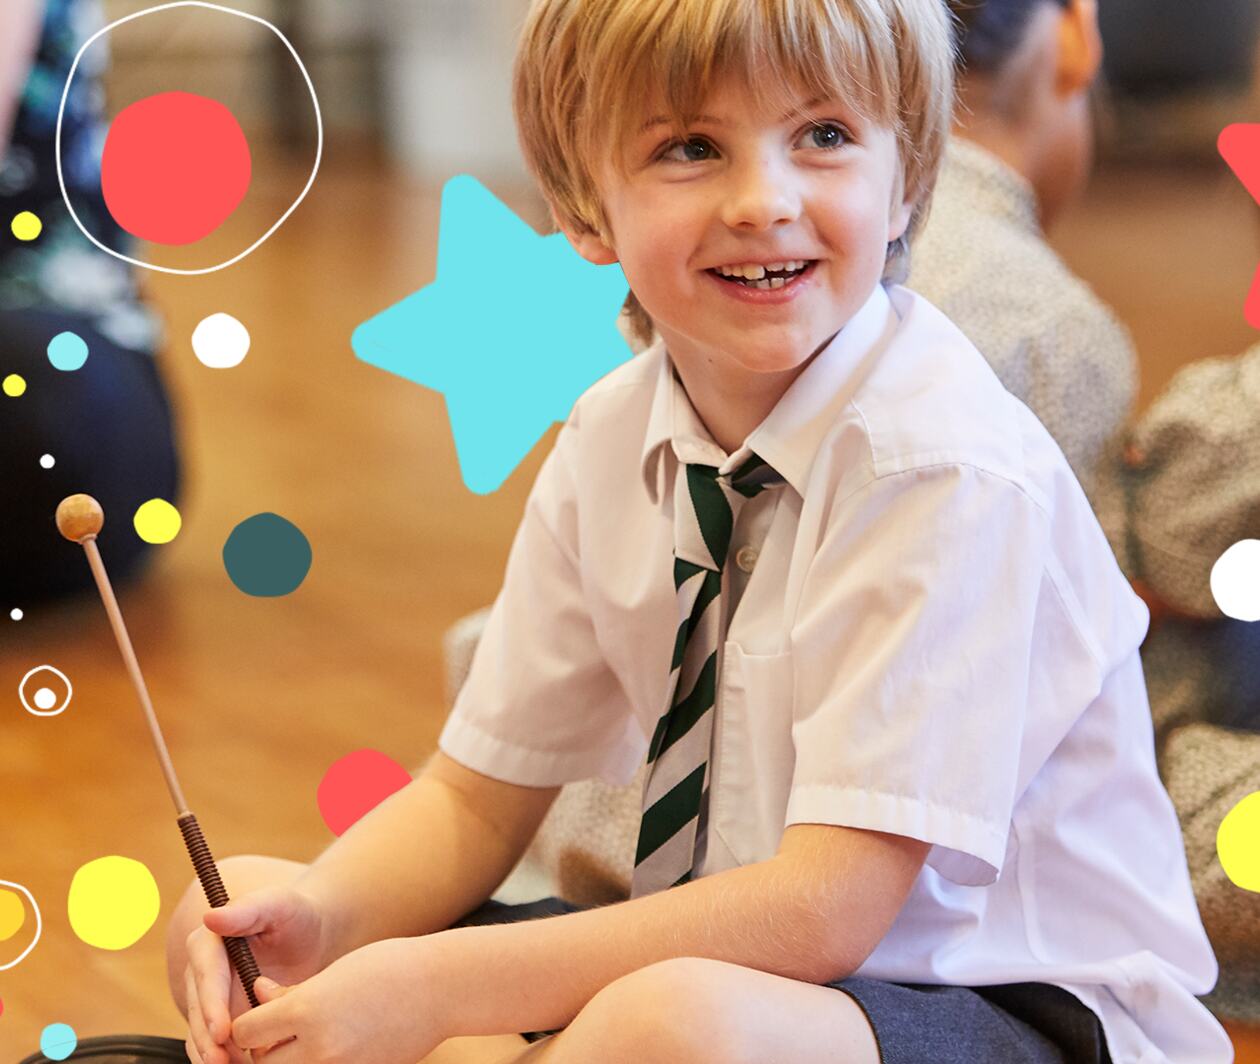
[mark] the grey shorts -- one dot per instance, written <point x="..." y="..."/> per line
<point x="915" y="1023"/>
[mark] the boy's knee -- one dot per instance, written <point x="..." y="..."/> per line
<point x="669" y="1011"/>
<point x="240" y="874"/>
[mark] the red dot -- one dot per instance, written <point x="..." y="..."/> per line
<point x="175" y="167"/>
<point x="355" y="785"/>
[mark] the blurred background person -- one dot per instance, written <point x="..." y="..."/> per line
<point x="108" y="426"/>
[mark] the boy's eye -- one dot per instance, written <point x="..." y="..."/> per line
<point x="833" y="136"/>
<point x="673" y="144"/>
<point x="827" y="136"/>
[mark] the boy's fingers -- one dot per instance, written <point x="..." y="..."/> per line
<point x="263" y="1026"/>
<point x="198" y="1036"/>
<point x="237" y="920"/>
<point x="268" y="989"/>
<point x="212" y="982"/>
<point x="261" y="911"/>
<point x="277" y="1054"/>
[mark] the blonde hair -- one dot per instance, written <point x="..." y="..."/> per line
<point x="585" y="69"/>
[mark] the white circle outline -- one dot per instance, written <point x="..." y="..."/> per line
<point x="39" y="924"/>
<point x="319" y="148"/>
<point x="45" y="712"/>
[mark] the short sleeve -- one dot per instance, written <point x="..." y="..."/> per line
<point x="913" y="651"/>
<point x="540" y="706"/>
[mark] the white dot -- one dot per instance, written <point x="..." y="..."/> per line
<point x="45" y="699"/>
<point x="16" y="614"/>
<point x="48" y="461"/>
<point x="220" y="341"/>
<point x="1235" y="581"/>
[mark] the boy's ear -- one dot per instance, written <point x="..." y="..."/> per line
<point x="900" y="220"/>
<point x="902" y="209"/>
<point x="587" y="244"/>
<point x="1080" y="47"/>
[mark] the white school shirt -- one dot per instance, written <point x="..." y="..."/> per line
<point x="934" y="641"/>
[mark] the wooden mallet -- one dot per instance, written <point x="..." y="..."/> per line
<point x="79" y="519"/>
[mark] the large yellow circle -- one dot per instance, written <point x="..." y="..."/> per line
<point x="157" y="521"/>
<point x="113" y="902"/>
<point x="12" y="914"/>
<point x="1238" y="843"/>
<point x="26" y="226"/>
<point x="14" y="385"/>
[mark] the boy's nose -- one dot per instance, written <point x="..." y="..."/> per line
<point x="758" y="197"/>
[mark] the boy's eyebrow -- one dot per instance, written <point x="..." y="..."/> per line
<point x="661" y="120"/>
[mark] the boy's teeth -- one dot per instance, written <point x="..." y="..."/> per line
<point x="756" y="272"/>
<point x="753" y="275"/>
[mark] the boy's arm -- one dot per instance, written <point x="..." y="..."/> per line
<point x="813" y="912"/>
<point x="424" y="857"/>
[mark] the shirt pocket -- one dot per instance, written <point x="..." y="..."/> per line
<point x="754" y="757"/>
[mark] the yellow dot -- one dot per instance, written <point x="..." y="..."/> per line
<point x="113" y="902"/>
<point x="12" y="914"/>
<point x="1238" y="843"/>
<point x="27" y="226"/>
<point x="157" y="521"/>
<point x="14" y="385"/>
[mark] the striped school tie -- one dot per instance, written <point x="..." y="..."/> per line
<point x="676" y="789"/>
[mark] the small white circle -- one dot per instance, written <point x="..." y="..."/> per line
<point x="220" y="341"/>
<point x="44" y="698"/>
<point x="16" y="614"/>
<point x="1235" y="581"/>
<point x="48" y="461"/>
<point x="40" y="695"/>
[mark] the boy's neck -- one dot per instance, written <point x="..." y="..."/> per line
<point x="732" y="401"/>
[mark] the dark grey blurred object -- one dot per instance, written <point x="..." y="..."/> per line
<point x="123" y="1049"/>
<point x="1165" y="47"/>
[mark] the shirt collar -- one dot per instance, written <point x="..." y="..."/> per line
<point x="987" y="179"/>
<point x="789" y="437"/>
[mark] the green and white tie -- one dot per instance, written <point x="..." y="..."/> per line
<point x="676" y="790"/>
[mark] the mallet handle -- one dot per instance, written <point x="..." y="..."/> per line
<point x="216" y="894"/>
<point x="119" y="626"/>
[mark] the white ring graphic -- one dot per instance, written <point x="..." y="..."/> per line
<point x="319" y="147"/>
<point x="39" y="923"/>
<point x="49" y="712"/>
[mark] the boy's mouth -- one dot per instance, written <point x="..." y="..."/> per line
<point x="763" y="279"/>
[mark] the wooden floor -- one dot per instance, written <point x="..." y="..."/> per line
<point x="259" y="696"/>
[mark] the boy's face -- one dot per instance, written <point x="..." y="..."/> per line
<point x="752" y="187"/>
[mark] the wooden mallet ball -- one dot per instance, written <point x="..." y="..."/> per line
<point x="80" y="518"/>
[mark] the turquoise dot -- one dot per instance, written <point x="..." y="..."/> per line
<point x="58" y="1041"/>
<point x="67" y="351"/>
<point x="267" y="556"/>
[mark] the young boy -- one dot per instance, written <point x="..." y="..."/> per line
<point x="901" y="802"/>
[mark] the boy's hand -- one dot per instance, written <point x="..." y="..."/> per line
<point x="287" y="934"/>
<point x="376" y="1005"/>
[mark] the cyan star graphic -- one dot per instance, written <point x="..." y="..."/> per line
<point x="515" y="327"/>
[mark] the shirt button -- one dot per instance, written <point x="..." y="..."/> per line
<point x="746" y="558"/>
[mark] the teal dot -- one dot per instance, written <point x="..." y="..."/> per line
<point x="267" y="556"/>
<point x="58" y="1041"/>
<point x="67" y="351"/>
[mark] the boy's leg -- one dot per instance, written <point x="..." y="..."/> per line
<point x="701" y="1011"/>
<point x="490" y="1049"/>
